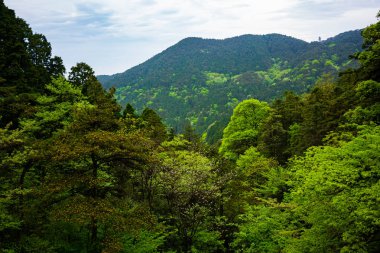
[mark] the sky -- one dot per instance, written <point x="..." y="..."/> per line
<point x="115" y="35"/>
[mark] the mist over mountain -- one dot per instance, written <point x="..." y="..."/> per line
<point x="201" y="80"/>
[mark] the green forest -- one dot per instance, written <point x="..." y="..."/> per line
<point x="200" y="81"/>
<point x="80" y="173"/>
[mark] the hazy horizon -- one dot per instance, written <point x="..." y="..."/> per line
<point x="116" y="35"/>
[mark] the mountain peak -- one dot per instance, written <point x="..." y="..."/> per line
<point x="200" y="80"/>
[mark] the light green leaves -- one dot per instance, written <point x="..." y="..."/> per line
<point x="336" y="191"/>
<point x="242" y="130"/>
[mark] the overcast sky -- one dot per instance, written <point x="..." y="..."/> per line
<point x="114" y="35"/>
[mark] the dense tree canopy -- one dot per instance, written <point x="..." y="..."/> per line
<point x="79" y="174"/>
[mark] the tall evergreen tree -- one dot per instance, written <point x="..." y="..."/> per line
<point x="25" y="66"/>
<point x="154" y="125"/>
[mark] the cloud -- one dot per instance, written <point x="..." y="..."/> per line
<point x="331" y="9"/>
<point x="114" y="35"/>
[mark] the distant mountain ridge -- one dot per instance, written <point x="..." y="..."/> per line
<point x="195" y="52"/>
<point x="201" y="80"/>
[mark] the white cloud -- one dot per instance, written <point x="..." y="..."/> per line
<point x="114" y="35"/>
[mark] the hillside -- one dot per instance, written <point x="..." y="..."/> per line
<point x="202" y="80"/>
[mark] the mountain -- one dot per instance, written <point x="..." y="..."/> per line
<point x="202" y="80"/>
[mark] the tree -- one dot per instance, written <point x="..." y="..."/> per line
<point x="24" y="163"/>
<point x="335" y="192"/>
<point x="11" y="143"/>
<point x="89" y="163"/>
<point x="260" y="229"/>
<point x="320" y="115"/>
<point x="272" y="140"/>
<point x="129" y="111"/>
<point x="252" y="165"/>
<point x="243" y="128"/>
<point x="70" y="166"/>
<point x="82" y="75"/>
<point x="39" y="50"/>
<point x="353" y="84"/>
<point x="276" y="131"/>
<point x="54" y="111"/>
<point x="56" y="67"/>
<point x="153" y="124"/>
<point x="370" y="57"/>
<point x="189" y="133"/>
<point x="25" y="67"/>
<point x="186" y="183"/>
<point x="289" y="108"/>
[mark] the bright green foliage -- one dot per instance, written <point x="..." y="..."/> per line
<point x="336" y="193"/>
<point x="187" y="185"/>
<point x="54" y="110"/>
<point x="253" y="165"/>
<point x="261" y="229"/>
<point x="251" y="171"/>
<point x="327" y="199"/>
<point x="332" y="204"/>
<point x="215" y="78"/>
<point x="273" y="137"/>
<point x="144" y="242"/>
<point x="207" y="241"/>
<point x="242" y="131"/>
<point x="263" y="224"/>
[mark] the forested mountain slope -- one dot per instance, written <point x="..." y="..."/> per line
<point x="201" y="80"/>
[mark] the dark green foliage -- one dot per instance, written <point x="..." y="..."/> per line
<point x="277" y="137"/>
<point x="153" y="124"/>
<point x="81" y="75"/>
<point x="370" y="58"/>
<point x="26" y="66"/>
<point x="320" y="114"/>
<point x="129" y="111"/>
<point x="273" y="138"/>
<point x="56" y="67"/>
